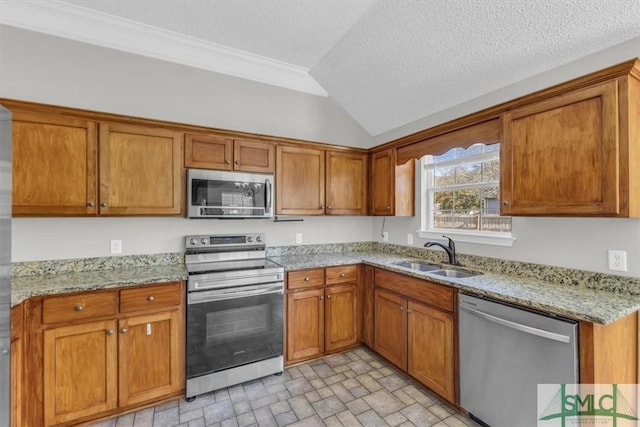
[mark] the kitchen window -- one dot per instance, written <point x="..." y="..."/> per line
<point x="461" y="196"/>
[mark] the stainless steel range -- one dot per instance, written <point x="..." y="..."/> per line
<point x="235" y="300"/>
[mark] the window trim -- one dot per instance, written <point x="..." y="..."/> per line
<point x="427" y="231"/>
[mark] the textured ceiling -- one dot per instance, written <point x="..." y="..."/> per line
<point x="408" y="59"/>
<point x="297" y="32"/>
<point x="390" y="62"/>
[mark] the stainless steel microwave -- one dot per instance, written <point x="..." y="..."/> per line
<point x="220" y="194"/>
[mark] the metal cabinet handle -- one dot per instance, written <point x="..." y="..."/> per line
<point x="409" y="311"/>
<point x="123" y="330"/>
<point x="150" y="298"/>
<point x="341" y="274"/>
<point x="321" y="206"/>
<point x="79" y="307"/>
<point x="505" y="203"/>
<point x="328" y="296"/>
<point x="401" y="308"/>
<point x="90" y="204"/>
<point x="388" y="207"/>
<point x="328" y="207"/>
<point x="237" y="162"/>
<point x="322" y="297"/>
<point x="109" y="332"/>
<point x="228" y="162"/>
<point x="103" y="205"/>
<point x="306" y="279"/>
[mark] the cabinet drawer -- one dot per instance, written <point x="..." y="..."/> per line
<point x="150" y="297"/>
<point x="428" y="292"/>
<point x="78" y="306"/>
<point x="342" y="274"/>
<point x="305" y="278"/>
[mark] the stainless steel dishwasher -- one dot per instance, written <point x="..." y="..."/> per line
<point x="505" y="352"/>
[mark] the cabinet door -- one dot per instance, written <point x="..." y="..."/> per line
<point x="431" y="357"/>
<point x="391" y="328"/>
<point x="305" y="324"/>
<point x="341" y="321"/>
<point x="141" y="171"/>
<point x="254" y="156"/>
<point x="382" y="183"/>
<point x="149" y="357"/>
<point x="208" y="152"/>
<point x="17" y="355"/>
<point x="560" y="156"/>
<point x="368" y="303"/>
<point x="80" y="373"/>
<point x="299" y="181"/>
<point x="346" y="183"/>
<point x="54" y="165"/>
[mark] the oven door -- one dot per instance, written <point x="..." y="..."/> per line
<point x="231" y="327"/>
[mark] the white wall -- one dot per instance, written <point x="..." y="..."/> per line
<point x="62" y="238"/>
<point x="580" y="243"/>
<point x="40" y="68"/>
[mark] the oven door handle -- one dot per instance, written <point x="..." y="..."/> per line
<point x="225" y="294"/>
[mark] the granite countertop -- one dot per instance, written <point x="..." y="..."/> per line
<point x="521" y="285"/>
<point x="24" y="287"/>
<point x="598" y="306"/>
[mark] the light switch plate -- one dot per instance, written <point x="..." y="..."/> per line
<point x="298" y="238"/>
<point x="410" y="239"/>
<point x="385" y="236"/>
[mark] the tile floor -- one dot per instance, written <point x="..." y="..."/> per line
<point x="355" y="388"/>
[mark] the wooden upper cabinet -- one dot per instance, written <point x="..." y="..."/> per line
<point x="561" y="156"/>
<point x="208" y="152"/>
<point x="54" y="165"/>
<point x="226" y="153"/>
<point x="392" y="186"/>
<point x="299" y="181"/>
<point x="141" y="170"/>
<point x="346" y="183"/>
<point x="253" y="156"/>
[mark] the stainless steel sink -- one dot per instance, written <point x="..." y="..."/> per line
<point x="416" y="265"/>
<point x="455" y="273"/>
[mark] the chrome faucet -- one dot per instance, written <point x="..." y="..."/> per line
<point x="450" y="250"/>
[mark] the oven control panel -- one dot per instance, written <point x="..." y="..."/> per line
<point x="224" y="240"/>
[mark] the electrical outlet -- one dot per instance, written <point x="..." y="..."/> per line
<point x="617" y="260"/>
<point x="116" y="247"/>
<point x="385" y="236"/>
<point x="410" y="239"/>
<point x="298" y="238"/>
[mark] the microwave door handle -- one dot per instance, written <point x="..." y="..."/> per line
<point x="267" y="195"/>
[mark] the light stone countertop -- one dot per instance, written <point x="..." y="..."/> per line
<point x="598" y="306"/>
<point x="25" y="287"/>
<point x="574" y="301"/>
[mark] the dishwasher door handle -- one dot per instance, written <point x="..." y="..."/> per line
<point x="513" y="325"/>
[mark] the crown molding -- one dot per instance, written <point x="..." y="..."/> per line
<point x="94" y="27"/>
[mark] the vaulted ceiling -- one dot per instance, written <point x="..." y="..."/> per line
<point x="386" y="62"/>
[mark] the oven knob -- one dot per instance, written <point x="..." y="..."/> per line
<point x="249" y="239"/>
<point x="193" y="241"/>
<point x="204" y="241"/>
<point x="258" y="239"/>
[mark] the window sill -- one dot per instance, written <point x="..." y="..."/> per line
<point x="470" y="237"/>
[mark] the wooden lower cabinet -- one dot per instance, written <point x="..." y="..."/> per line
<point x="341" y="323"/>
<point x="368" y="303"/>
<point x="149" y="349"/>
<point x="417" y="337"/>
<point x="80" y="371"/>
<point x="430" y="352"/>
<point x="391" y="328"/>
<point x="17" y="364"/>
<point x="305" y="324"/>
<point x="322" y="311"/>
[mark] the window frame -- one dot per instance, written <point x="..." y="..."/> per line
<point x="427" y="207"/>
